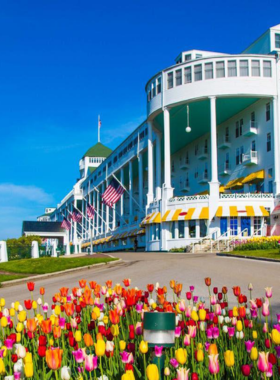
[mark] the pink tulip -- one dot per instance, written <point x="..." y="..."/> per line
<point x="214" y="364"/>
<point x="139" y="308"/>
<point x="127" y="357"/>
<point x="231" y="331"/>
<point x="182" y="374"/>
<point x="249" y="345"/>
<point x="9" y="344"/>
<point x="91" y="362"/>
<point x="254" y="305"/>
<point x="182" y="305"/>
<point x="268" y="292"/>
<point x="265" y="308"/>
<point x="265" y="328"/>
<point x="263" y="363"/>
<point x="187" y="340"/>
<point x="174" y="363"/>
<point x="79" y="355"/>
<point x="213" y="300"/>
<point x="192" y="288"/>
<point x="158" y="351"/>
<point x="217" y="309"/>
<point x="62" y="322"/>
<point x="188" y="311"/>
<point x="177" y="331"/>
<point x="192" y="331"/>
<point x="138" y="328"/>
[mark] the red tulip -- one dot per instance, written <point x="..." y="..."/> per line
<point x="236" y="290"/>
<point x="30" y="286"/>
<point x="246" y="370"/>
<point x="150" y="288"/>
<point x="42" y="351"/>
<point x="215" y="290"/>
<point x="194" y="376"/>
<point x="28" y="304"/>
<point x="267" y="343"/>
<point x="42" y="340"/>
<point x="189" y="296"/>
<point x="224" y="290"/>
<point x="14" y="358"/>
<point x="272" y="358"/>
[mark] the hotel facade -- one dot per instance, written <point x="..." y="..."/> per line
<point x="204" y="165"/>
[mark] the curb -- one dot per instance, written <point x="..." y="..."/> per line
<point x="248" y="257"/>
<point x="19" y="281"/>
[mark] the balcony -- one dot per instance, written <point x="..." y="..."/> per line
<point x="224" y="142"/>
<point x="224" y="169"/>
<point x="204" y="178"/>
<point x="250" y="158"/>
<point x="203" y="153"/>
<point x="251" y="129"/>
<point x="185" y="186"/>
<point x="184" y="164"/>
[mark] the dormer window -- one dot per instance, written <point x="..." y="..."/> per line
<point x="188" y="57"/>
<point x="197" y="56"/>
<point x="277" y="41"/>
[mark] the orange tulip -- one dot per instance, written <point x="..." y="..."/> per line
<point x="207" y="281"/>
<point x="97" y="290"/>
<point x="42" y="291"/>
<point x="69" y="309"/>
<point x="118" y="289"/>
<point x="46" y="326"/>
<point x="161" y="299"/>
<point x="56" y="332"/>
<point x="213" y="350"/>
<point x="172" y="284"/>
<point x="127" y="282"/>
<point x="92" y="284"/>
<point x="64" y="291"/>
<point x="109" y="284"/>
<point x="31" y="325"/>
<point x="82" y="283"/>
<point x="88" y="340"/>
<point x="178" y="288"/>
<point x="54" y="358"/>
<point x="74" y="291"/>
<point x="99" y="336"/>
<point x="114" y="318"/>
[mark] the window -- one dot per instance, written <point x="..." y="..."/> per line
<point x="198" y="56"/>
<point x="181" y="228"/>
<point x="220" y="69"/>
<point x="115" y="159"/>
<point x="277" y="41"/>
<point x="188" y="75"/>
<point x="153" y="89"/>
<point x="149" y="94"/>
<point x="172" y="231"/>
<point x="159" y="85"/>
<point x="270" y="183"/>
<point x="267" y="69"/>
<point x="208" y="70"/>
<point x="227" y="161"/>
<point x="268" y="142"/>
<point x="203" y="227"/>
<point x="188" y="57"/>
<point x="192" y="228"/>
<point x="233" y="225"/>
<point x="256" y="68"/>
<point x="253" y="146"/>
<point x="257" y="225"/>
<point x="196" y="173"/>
<point x="237" y="156"/>
<point x="169" y="80"/>
<point x="244" y="68"/>
<point x="227" y="135"/>
<point x="196" y="149"/>
<point x="237" y="129"/>
<point x="197" y="72"/>
<point x="232" y="69"/>
<point x="178" y="76"/>
<point x="206" y="146"/>
<point x="267" y="112"/>
<point x="241" y="155"/>
<point x="240" y="127"/>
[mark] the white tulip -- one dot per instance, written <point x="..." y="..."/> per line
<point x="20" y="308"/>
<point x="225" y="329"/>
<point x="20" y="351"/>
<point x="39" y="301"/>
<point x="203" y="326"/>
<point x="220" y="319"/>
<point x="65" y="373"/>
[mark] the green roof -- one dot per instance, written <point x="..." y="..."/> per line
<point x="91" y="170"/>
<point x="98" y="150"/>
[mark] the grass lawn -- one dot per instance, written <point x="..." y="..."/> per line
<point x="7" y="277"/>
<point x="267" y="253"/>
<point x="49" y="264"/>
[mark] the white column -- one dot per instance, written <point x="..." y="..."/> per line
<point x="3" y="252"/>
<point x="150" y="195"/>
<point x="122" y="198"/>
<point x="98" y="212"/>
<point x="167" y="189"/>
<point x="276" y="146"/>
<point x="158" y="167"/>
<point x="35" y="249"/>
<point x="140" y="183"/>
<point x="107" y="213"/>
<point x="75" y="242"/>
<point x="130" y="192"/>
<point x="83" y="220"/>
<point x="102" y="210"/>
<point x="114" y="217"/>
<point x="95" y="215"/>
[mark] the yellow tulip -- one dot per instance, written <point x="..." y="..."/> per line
<point x="40" y="318"/>
<point x="100" y="347"/>
<point x="122" y="345"/>
<point x="199" y="346"/>
<point x="12" y="312"/>
<point x="51" y="341"/>
<point x="53" y="319"/>
<point x="115" y="330"/>
<point x="2" y="367"/>
<point x="254" y="354"/>
<point x="229" y="358"/>
<point x="235" y="311"/>
<point x="19" y="327"/>
<point x="199" y="355"/>
<point x="275" y="336"/>
<point x="22" y="316"/>
<point x="129" y="375"/>
<point x="16" y="305"/>
<point x="57" y="310"/>
<point x="255" y="334"/>
<point x="194" y="316"/>
<point x="202" y="314"/>
<point x="143" y="347"/>
<point x="152" y="372"/>
<point x="28" y="358"/>
<point x="181" y="355"/>
<point x="95" y="313"/>
<point x="154" y="305"/>
<point x="4" y="348"/>
<point x="28" y="370"/>
<point x="239" y="326"/>
<point x="2" y="302"/>
<point x="105" y="319"/>
<point x="4" y="322"/>
<point x="34" y="305"/>
<point x="18" y="337"/>
<point x="78" y="335"/>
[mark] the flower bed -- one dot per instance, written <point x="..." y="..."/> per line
<point x="96" y="331"/>
<point x="257" y="243"/>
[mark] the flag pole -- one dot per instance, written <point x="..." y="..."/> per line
<point x="99" y="216"/>
<point x="71" y="224"/>
<point x="99" y="124"/>
<point x="128" y="192"/>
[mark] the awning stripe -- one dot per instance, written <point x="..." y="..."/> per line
<point x="176" y="214"/>
<point x="219" y="212"/>
<point x="204" y="213"/>
<point x="233" y="211"/>
<point x="250" y="210"/>
<point x="238" y="211"/>
<point x="264" y="211"/>
<point x="165" y="215"/>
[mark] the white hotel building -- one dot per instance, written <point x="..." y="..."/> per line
<point x="204" y="164"/>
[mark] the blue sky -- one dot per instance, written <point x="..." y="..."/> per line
<point x="64" y="62"/>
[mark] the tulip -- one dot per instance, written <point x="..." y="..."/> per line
<point x="30" y="286"/>
<point x="239" y="326"/>
<point x="115" y="330"/>
<point x="229" y="358"/>
<point x="214" y="364"/>
<point x="100" y="347"/>
<point x="199" y="355"/>
<point x="202" y="314"/>
<point x="90" y="362"/>
<point x="187" y="340"/>
<point x="54" y="358"/>
<point x="122" y="345"/>
<point x="275" y="337"/>
<point x="212" y="350"/>
<point x="152" y="372"/>
<point x="249" y="345"/>
<point x="143" y="347"/>
<point x="265" y="308"/>
<point x="128" y="375"/>
<point x="207" y="281"/>
<point x="88" y="340"/>
<point x="268" y="292"/>
<point x="79" y="356"/>
<point x="254" y="334"/>
<point x="78" y="336"/>
<point x="263" y="363"/>
<point x="2" y="367"/>
<point x="65" y="373"/>
<point x="254" y="354"/>
<point x="192" y="331"/>
<point x="181" y="355"/>
<point x="166" y="371"/>
<point x="246" y="370"/>
<point x="28" y="370"/>
<point x="182" y="373"/>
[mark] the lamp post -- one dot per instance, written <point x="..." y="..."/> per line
<point x="159" y="330"/>
<point x="188" y="128"/>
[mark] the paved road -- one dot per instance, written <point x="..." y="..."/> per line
<point x="189" y="269"/>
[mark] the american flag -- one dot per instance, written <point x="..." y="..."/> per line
<point x="113" y="193"/>
<point x="76" y="216"/>
<point x="90" y="211"/>
<point x="66" y="224"/>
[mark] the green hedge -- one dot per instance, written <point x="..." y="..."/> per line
<point x="254" y="246"/>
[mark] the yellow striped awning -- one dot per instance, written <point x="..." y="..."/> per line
<point x="186" y="214"/>
<point x="224" y="211"/>
<point x="155" y="217"/>
<point x="254" y="177"/>
<point x="234" y="183"/>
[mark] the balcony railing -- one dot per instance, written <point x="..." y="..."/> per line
<point x="185" y="186"/>
<point x="224" y="142"/>
<point x="203" y="153"/>
<point x="204" y="178"/>
<point x="250" y="129"/>
<point x="184" y="163"/>
<point x="250" y="158"/>
<point x="225" y="169"/>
